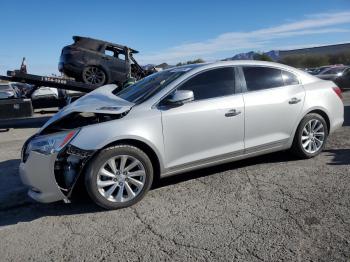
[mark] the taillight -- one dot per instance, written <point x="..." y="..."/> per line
<point x="337" y="90"/>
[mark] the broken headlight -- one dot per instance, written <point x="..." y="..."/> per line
<point x="52" y="143"/>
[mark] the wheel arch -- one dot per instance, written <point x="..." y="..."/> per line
<point x="150" y="152"/>
<point x="296" y="146"/>
<point x="320" y="112"/>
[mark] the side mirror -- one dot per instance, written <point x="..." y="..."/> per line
<point x="180" y="97"/>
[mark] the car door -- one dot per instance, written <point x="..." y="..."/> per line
<point x="273" y="102"/>
<point x="209" y="128"/>
<point x="112" y="61"/>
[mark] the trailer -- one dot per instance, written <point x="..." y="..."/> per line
<point x="89" y="49"/>
<point x="57" y="82"/>
<point x="22" y="108"/>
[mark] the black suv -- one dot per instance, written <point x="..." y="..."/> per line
<point x="98" y="62"/>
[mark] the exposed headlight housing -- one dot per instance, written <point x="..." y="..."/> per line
<point x="50" y="144"/>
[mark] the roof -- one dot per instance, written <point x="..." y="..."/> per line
<point x="199" y="67"/>
<point x="239" y="62"/>
<point x="77" y="38"/>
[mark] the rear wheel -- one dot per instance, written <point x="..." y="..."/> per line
<point x="94" y="75"/>
<point x="119" y="177"/>
<point x="310" y="137"/>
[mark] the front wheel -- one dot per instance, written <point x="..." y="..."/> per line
<point x="119" y="176"/>
<point x="310" y="137"/>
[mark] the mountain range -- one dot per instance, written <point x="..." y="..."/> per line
<point x="273" y="54"/>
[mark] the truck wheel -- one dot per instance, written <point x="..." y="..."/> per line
<point x="94" y="75"/>
<point x="119" y="176"/>
<point x="310" y="137"/>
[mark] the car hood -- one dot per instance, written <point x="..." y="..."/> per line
<point x="101" y="100"/>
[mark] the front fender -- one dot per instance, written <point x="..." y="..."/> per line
<point x="147" y="130"/>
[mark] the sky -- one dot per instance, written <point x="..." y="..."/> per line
<point x="167" y="31"/>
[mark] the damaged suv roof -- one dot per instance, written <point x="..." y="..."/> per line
<point x="87" y="41"/>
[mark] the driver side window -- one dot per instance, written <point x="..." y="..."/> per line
<point x="212" y="83"/>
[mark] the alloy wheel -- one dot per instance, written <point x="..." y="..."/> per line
<point x="94" y="75"/>
<point x="313" y="136"/>
<point x="121" y="178"/>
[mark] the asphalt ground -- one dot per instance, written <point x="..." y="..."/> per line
<point x="268" y="208"/>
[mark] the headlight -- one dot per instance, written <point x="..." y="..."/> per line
<point x="52" y="143"/>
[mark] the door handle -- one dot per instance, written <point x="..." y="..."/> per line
<point x="232" y="112"/>
<point x="294" y="100"/>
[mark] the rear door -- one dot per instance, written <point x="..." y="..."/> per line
<point x="114" y="60"/>
<point x="209" y="128"/>
<point x="273" y="102"/>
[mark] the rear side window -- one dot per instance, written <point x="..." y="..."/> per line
<point x="289" y="78"/>
<point x="213" y="83"/>
<point x="260" y="78"/>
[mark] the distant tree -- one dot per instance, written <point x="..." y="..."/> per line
<point x="341" y="58"/>
<point x="196" y="61"/>
<point x="262" y="57"/>
<point x="304" y="61"/>
<point x="292" y="60"/>
<point x="315" y="60"/>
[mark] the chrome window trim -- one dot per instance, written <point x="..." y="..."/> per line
<point x="244" y="83"/>
<point x="236" y="90"/>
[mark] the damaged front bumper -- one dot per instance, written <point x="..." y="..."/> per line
<point x="38" y="174"/>
<point x="51" y="165"/>
<point x="52" y="177"/>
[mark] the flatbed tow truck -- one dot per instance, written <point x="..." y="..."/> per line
<point x="21" y="109"/>
<point x="49" y="81"/>
<point x="17" y="108"/>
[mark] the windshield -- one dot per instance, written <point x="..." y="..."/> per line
<point x="150" y="85"/>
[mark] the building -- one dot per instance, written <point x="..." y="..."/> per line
<point x="319" y="50"/>
<point x="277" y="55"/>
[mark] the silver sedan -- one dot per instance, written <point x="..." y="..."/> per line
<point x="117" y="142"/>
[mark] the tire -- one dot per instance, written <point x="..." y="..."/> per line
<point x="117" y="193"/>
<point x="94" y="75"/>
<point x="306" y="145"/>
